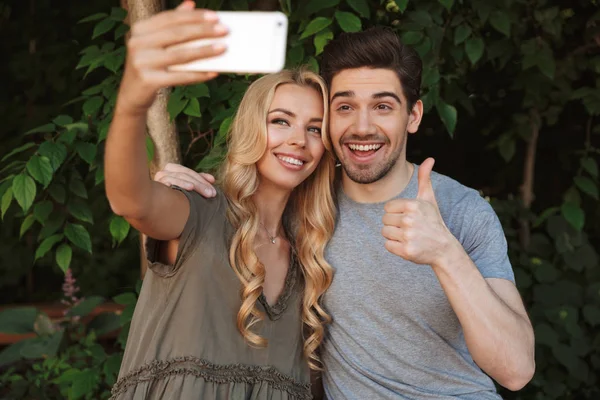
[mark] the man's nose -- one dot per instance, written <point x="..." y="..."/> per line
<point x="364" y="124"/>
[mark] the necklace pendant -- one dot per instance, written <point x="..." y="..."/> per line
<point x="273" y="240"/>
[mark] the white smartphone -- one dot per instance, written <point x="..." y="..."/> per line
<point x="256" y="43"/>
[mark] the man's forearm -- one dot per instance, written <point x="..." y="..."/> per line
<point x="499" y="338"/>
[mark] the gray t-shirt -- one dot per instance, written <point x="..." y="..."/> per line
<point x="394" y="334"/>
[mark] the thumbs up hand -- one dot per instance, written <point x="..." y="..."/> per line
<point x="414" y="228"/>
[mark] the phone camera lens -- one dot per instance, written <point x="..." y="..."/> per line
<point x="280" y="24"/>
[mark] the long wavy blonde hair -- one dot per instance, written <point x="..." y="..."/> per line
<point x="309" y="215"/>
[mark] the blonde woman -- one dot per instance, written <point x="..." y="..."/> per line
<point x="229" y="308"/>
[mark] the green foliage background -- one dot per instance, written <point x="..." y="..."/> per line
<point x="506" y="83"/>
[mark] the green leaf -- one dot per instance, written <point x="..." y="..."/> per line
<point x="6" y="200"/>
<point x="103" y="26"/>
<point x="313" y="64"/>
<point x="193" y="108"/>
<point x="86" y="306"/>
<point x="411" y="38"/>
<point x="125" y="299"/>
<point x="92" y="105"/>
<point x="121" y="31"/>
<point x="18" y="150"/>
<point x="52" y="225"/>
<point x="63" y="120"/>
<point x="587" y="185"/>
<point x="199" y="90"/>
<point x="474" y="48"/>
<point x="447" y="4"/>
<point x="545" y="62"/>
<point x="348" y="21"/>
<point x="47" y="245"/>
<point x="84" y="383"/>
<point x="57" y="192"/>
<point x="63" y="256"/>
<point x="93" y="17"/>
<point x="105" y="323"/>
<point x="17" y="320"/>
<point x="176" y="104"/>
<point x="574" y="215"/>
<point x="27" y="223"/>
<point x="48" y="128"/>
<point x="118" y="14"/>
<point x="119" y="228"/>
<point x="67" y="137"/>
<point x="112" y="366"/>
<point x="448" y="115"/>
<point x="24" y="190"/>
<point x="401" y="4"/>
<point x="79" y="236"/>
<point x="590" y="165"/>
<point x="42" y="210"/>
<point x="421" y="17"/>
<point x="149" y="148"/>
<point x="77" y="187"/>
<point x="315" y="26"/>
<point x="431" y="76"/>
<point x="501" y="22"/>
<point x="462" y="33"/>
<point x="40" y="169"/>
<point x="80" y="210"/>
<point x="361" y="7"/>
<point x="321" y="39"/>
<point x="87" y="151"/>
<point x="507" y="148"/>
<point x="55" y="152"/>
<point x="127" y="314"/>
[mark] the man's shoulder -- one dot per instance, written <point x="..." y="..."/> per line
<point x="459" y="204"/>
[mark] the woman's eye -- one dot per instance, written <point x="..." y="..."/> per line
<point x="314" y="129"/>
<point x="280" y="122"/>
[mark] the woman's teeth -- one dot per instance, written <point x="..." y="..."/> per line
<point x="291" y="160"/>
<point x="364" y="147"/>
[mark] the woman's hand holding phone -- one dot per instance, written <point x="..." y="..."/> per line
<point x="149" y="57"/>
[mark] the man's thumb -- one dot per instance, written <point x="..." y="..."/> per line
<point x="425" y="187"/>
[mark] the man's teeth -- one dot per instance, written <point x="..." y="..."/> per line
<point x="364" y="147"/>
<point x="291" y="160"/>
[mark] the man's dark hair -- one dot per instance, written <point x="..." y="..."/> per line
<point x="374" y="48"/>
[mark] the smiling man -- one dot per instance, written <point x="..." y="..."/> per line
<point x="423" y="297"/>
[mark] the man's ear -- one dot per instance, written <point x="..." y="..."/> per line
<point x="414" y="118"/>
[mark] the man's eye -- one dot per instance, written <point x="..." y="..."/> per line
<point x="383" y="107"/>
<point x="343" y="108"/>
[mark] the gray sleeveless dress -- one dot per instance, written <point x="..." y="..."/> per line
<point x="184" y="343"/>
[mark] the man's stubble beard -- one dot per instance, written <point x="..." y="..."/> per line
<point x="367" y="174"/>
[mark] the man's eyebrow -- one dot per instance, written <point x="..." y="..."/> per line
<point x="283" y="110"/>
<point x="346" y="93"/>
<point x="393" y="95"/>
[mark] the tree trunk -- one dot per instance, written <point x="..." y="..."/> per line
<point x="161" y="129"/>
<point x="527" y="194"/>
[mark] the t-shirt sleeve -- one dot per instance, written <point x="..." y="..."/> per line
<point x="484" y="240"/>
<point x="202" y="210"/>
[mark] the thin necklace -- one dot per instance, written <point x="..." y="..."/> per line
<point x="271" y="238"/>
